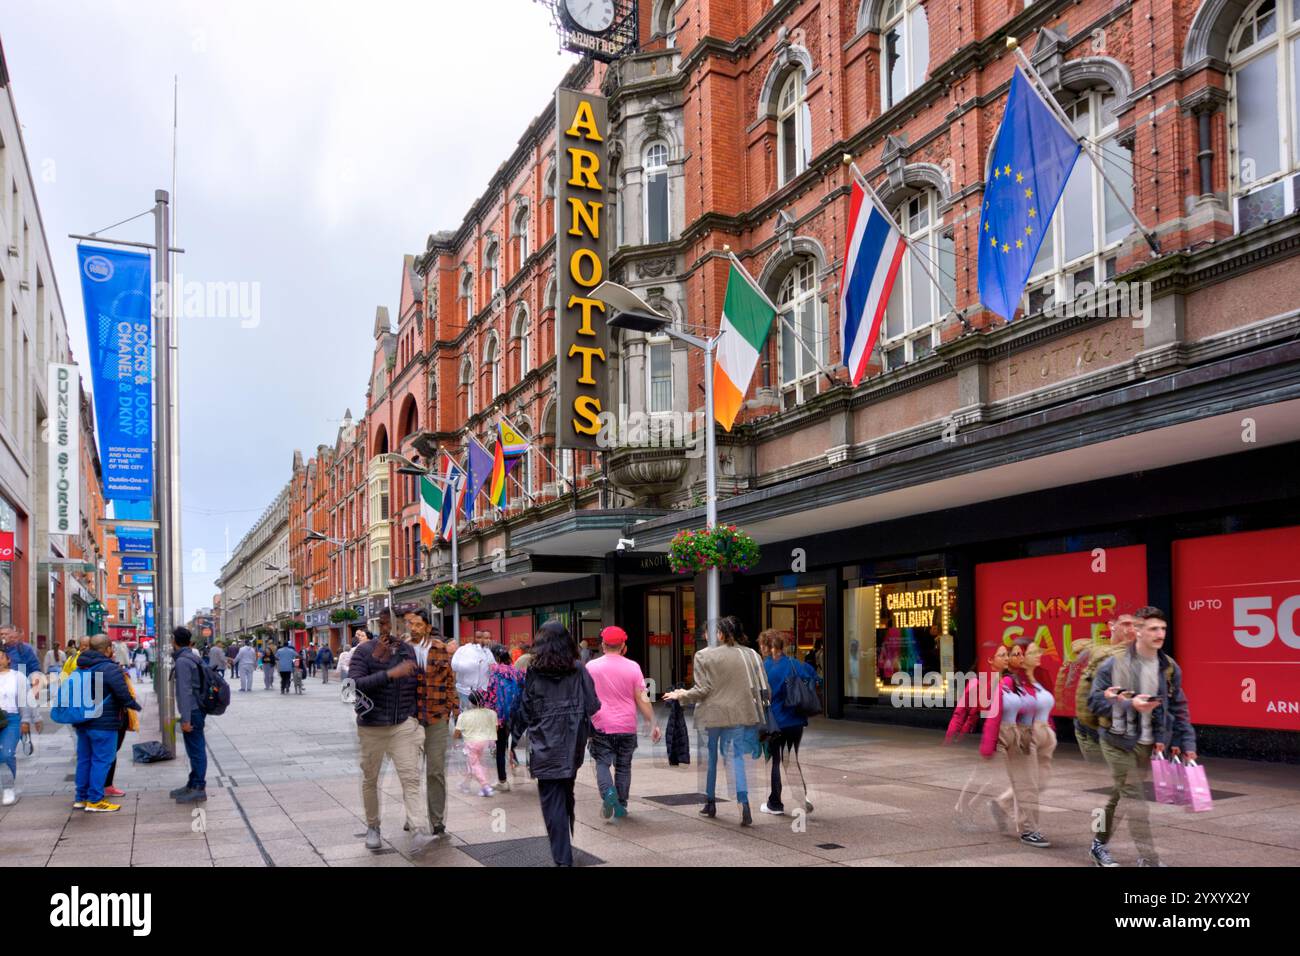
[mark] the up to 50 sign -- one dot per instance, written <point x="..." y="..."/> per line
<point x="1237" y="605"/>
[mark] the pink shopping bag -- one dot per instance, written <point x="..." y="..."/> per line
<point x="1199" y="797"/>
<point x="1163" y="776"/>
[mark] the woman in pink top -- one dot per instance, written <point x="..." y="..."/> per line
<point x="1018" y="706"/>
<point x="966" y="717"/>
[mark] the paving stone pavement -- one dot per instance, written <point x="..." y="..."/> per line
<point x="284" y="791"/>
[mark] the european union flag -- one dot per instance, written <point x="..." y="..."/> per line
<point x="1032" y="159"/>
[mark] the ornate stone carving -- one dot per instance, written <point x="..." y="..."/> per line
<point x="654" y="268"/>
<point x="647" y="473"/>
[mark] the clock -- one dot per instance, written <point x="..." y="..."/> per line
<point x="593" y="16"/>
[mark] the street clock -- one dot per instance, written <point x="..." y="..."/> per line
<point x="602" y="29"/>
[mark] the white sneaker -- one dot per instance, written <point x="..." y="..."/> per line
<point x="503" y="785"/>
<point x="10" y="798"/>
<point x="763" y="808"/>
<point x="487" y="792"/>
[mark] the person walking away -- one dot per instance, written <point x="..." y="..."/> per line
<point x="726" y="680"/>
<point x="284" y="658"/>
<point x="97" y="737"/>
<point x="478" y="728"/>
<point x="325" y="660"/>
<point x="246" y="661"/>
<point x="309" y="657"/>
<point x="779" y="668"/>
<point x="217" y="657"/>
<point x="1138" y="695"/>
<point x="189" y="688"/>
<point x="268" y="666"/>
<point x="19" y="715"/>
<point x="505" y="684"/>
<point x="383" y="673"/>
<point x="436" y="705"/>
<point x="471" y="664"/>
<point x="122" y="653"/>
<point x="151" y="652"/>
<point x="130" y="722"/>
<point x="1079" y="676"/>
<point x="558" y="702"/>
<point x="620" y="687"/>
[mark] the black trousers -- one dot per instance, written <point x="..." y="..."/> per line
<point x="108" y="780"/>
<point x="557" y="812"/>
<point x="285" y="677"/>
<point x="788" y="739"/>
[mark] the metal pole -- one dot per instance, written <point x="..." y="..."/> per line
<point x="711" y="489"/>
<point x="455" y="562"/>
<point x="164" y="512"/>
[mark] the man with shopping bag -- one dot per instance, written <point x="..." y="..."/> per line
<point x="1137" y="696"/>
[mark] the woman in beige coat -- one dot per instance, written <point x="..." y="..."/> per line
<point x="729" y="680"/>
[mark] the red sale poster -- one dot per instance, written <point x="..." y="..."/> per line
<point x="1236" y="616"/>
<point x="1057" y="601"/>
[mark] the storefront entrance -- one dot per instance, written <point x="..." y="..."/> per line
<point x="800" y="613"/>
<point x="670" y="636"/>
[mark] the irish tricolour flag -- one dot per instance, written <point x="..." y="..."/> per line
<point x="430" y="508"/>
<point x="746" y="318"/>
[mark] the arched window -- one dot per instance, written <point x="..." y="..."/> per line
<point x="1263" y="81"/>
<point x="548" y="299"/>
<point x="519" y="342"/>
<point x="520" y="232"/>
<point x="793" y="129"/>
<point x="467" y="388"/>
<point x="492" y="268"/>
<point x="467" y="295"/>
<point x="904" y="47"/>
<point x="655" y="175"/>
<point x="1083" y="238"/>
<point x="491" y="369"/>
<point x="915" y="306"/>
<point x="665" y="23"/>
<point x="801" y="305"/>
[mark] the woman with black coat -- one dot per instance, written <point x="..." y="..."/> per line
<point x="558" y="702"/>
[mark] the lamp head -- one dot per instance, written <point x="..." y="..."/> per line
<point x="637" y="322"/>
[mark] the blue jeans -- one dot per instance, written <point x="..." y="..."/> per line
<point x="9" y="738"/>
<point x="96" y="751"/>
<point x="734" y="741"/>
<point x="197" y="751"/>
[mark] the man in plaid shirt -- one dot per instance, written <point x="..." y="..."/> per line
<point x="436" y="706"/>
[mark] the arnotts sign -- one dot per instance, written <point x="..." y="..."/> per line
<point x="581" y="338"/>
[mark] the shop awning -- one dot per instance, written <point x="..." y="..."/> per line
<point x="594" y="531"/>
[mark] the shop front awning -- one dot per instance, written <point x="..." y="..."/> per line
<point x="589" y="532"/>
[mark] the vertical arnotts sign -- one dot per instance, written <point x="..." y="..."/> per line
<point x="581" y="243"/>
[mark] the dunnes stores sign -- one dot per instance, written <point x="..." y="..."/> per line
<point x="581" y="338"/>
<point x="63" y="450"/>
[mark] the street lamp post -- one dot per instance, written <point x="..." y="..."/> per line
<point x="343" y="546"/>
<point x="409" y="467"/>
<point x="634" y="314"/>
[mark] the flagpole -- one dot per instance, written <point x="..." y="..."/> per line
<point x="1044" y="94"/>
<point x="880" y="207"/>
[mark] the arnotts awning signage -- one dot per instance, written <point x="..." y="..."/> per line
<point x="582" y="258"/>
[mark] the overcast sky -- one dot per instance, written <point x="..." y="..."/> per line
<point x="319" y="142"/>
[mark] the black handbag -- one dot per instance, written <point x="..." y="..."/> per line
<point x="801" y="695"/>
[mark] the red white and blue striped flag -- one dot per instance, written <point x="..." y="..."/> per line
<point x="872" y="255"/>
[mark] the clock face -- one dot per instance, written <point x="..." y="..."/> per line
<point x="594" y="16"/>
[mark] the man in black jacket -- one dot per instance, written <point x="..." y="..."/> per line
<point x="382" y="673"/>
<point x="189" y="686"/>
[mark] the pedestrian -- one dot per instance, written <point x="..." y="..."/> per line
<point x="779" y="668"/>
<point x="189" y="687"/>
<point x="284" y="658"/>
<point x="19" y="714"/>
<point x="727" y="679"/>
<point x="620" y="688"/>
<point x="217" y="657"/>
<point x="965" y="720"/>
<point x="245" y="661"/>
<point x="1138" y="695"/>
<point x="268" y="666"/>
<point x="505" y="684"/>
<point x="309" y="656"/>
<point x="1016" y="709"/>
<point x="151" y="652"/>
<point x="299" y="673"/>
<point x="22" y="658"/>
<point x="524" y="659"/>
<point x="54" y="659"/>
<point x="383" y="675"/>
<point x="558" y="702"/>
<point x="478" y="728"/>
<point x="1042" y="735"/>
<point x="325" y="660"/>
<point x="70" y="664"/>
<point x="122" y="651"/>
<point x="130" y="722"/>
<point x="97" y="737"/>
<point x="139" y="664"/>
<point x="1078" y="677"/>
<point x="436" y="705"/>
<point x="471" y="664"/>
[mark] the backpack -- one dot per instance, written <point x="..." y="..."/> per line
<point x="74" y="699"/>
<point x="1097" y="655"/>
<point x="214" y="692"/>
<point x="505" y="698"/>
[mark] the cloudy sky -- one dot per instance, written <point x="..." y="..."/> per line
<point x="318" y="142"/>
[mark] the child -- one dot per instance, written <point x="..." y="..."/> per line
<point x="478" y="728"/>
<point x="298" y="674"/>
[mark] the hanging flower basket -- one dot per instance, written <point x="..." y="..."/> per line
<point x="341" y="614"/>
<point x="466" y="595"/>
<point x="723" y="546"/>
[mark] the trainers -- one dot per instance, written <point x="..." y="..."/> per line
<point x="487" y="792"/>
<point x="193" y="796"/>
<point x="1101" y="855"/>
<point x="373" y="841"/>
<point x="178" y="791"/>
<point x="10" y="798"/>
<point x="103" y="807"/>
<point x="79" y="804"/>
<point x="610" y="802"/>
<point x="504" y="786"/>
<point x="764" y="808"/>
<point x="746" y="818"/>
<point x="620" y="811"/>
<point x="439" y="829"/>
<point x="114" y="792"/>
<point x="710" y="809"/>
<point x="1034" y="838"/>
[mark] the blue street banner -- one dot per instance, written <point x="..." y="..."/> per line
<point x="116" y="290"/>
<point x="148" y="618"/>
<point x="133" y="539"/>
<point x="1032" y="159"/>
<point x="133" y="563"/>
